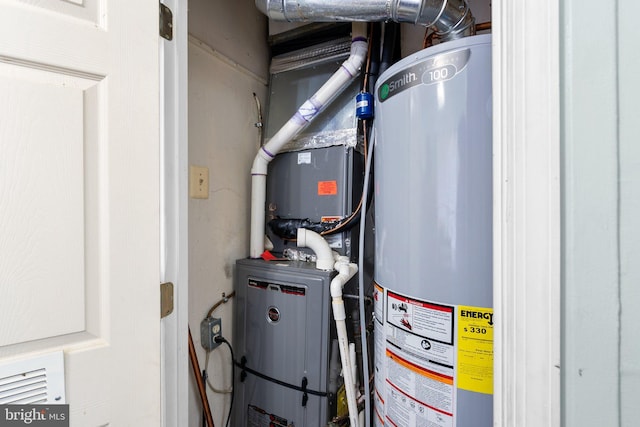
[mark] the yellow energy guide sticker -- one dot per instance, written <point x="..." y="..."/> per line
<point x="475" y="349"/>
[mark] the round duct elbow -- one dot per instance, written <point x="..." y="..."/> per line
<point x="451" y="18"/>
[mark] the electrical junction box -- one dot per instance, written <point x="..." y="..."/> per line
<point x="282" y="336"/>
<point x="210" y="328"/>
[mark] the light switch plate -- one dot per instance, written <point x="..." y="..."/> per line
<point x="199" y="182"/>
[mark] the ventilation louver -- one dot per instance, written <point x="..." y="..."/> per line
<point x="35" y="380"/>
<point x="24" y="388"/>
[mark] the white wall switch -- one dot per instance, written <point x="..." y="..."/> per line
<point x="199" y="182"/>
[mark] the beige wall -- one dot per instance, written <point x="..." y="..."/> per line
<point x="226" y="67"/>
<point x="234" y="28"/>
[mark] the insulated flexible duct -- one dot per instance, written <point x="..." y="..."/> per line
<point x="452" y="19"/>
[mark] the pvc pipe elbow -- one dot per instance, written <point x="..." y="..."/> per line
<point x="345" y="272"/>
<point x="317" y="243"/>
<point x="260" y="163"/>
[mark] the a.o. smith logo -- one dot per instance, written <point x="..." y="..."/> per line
<point x="34" y="415"/>
<point x="389" y="87"/>
<point x="432" y="70"/>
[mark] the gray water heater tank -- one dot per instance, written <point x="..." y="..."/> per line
<point x="433" y="222"/>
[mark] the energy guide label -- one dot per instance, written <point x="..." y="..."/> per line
<point x="475" y="349"/>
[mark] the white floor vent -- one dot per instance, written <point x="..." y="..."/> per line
<point x="31" y="381"/>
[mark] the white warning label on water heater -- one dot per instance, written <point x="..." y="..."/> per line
<point x="421" y="317"/>
<point x="420" y="360"/>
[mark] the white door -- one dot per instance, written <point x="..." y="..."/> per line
<point x="79" y="200"/>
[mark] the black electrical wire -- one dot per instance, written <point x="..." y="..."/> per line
<point x="221" y="339"/>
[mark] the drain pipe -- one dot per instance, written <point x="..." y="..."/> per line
<point x="346" y="271"/>
<point x="452" y="19"/>
<point x="303" y="117"/>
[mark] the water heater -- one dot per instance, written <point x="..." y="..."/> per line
<point x="433" y="222"/>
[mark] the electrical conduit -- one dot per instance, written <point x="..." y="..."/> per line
<point x="363" y="326"/>
<point x="300" y="120"/>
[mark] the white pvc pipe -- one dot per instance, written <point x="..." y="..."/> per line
<point x="317" y="243"/>
<point x="354" y="363"/>
<point x="300" y="120"/>
<point x="346" y="271"/>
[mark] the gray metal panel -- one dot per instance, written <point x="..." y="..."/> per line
<point x="294" y="347"/>
<point x="293" y="189"/>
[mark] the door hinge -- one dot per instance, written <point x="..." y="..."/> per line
<point x="166" y="299"/>
<point x="166" y="22"/>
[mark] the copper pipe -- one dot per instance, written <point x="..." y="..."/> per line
<point x="429" y="35"/>
<point x="483" y="26"/>
<point x="428" y="39"/>
<point x="200" y="382"/>
<point x="365" y="81"/>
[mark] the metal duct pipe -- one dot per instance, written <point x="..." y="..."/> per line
<point x="452" y="19"/>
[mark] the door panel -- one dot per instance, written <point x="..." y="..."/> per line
<point x="79" y="200"/>
<point x="92" y="11"/>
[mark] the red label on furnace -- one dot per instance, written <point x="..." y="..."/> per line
<point x="327" y="188"/>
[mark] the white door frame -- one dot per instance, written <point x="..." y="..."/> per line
<point x="526" y="213"/>
<point x="174" y="238"/>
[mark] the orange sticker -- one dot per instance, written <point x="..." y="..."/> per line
<point x="327" y="188"/>
<point x="330" y="218"/>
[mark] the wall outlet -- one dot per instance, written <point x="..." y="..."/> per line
<point x="210" y="328"/>
<point x="199" y="182"/>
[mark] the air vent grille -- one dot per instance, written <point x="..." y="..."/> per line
<point x="33" y="380"/>
<point x="24" y="388"/>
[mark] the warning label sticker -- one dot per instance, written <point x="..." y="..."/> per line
<point x="257" y="417"/>
<point x="327" y="188"/>
<point x="379" y="408"/>
<point x="475" y="349"/>
<point x="378" y="303"/>
<point x="420" y="317"/>
<point x="420" y="360"/>
<point x="304" y="158"/>
<point x="417" y="396"/>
